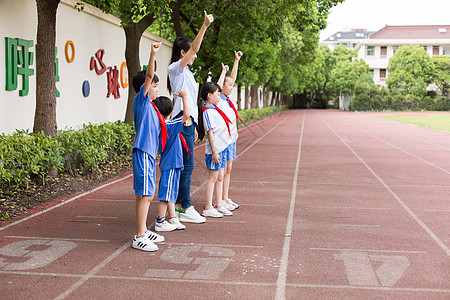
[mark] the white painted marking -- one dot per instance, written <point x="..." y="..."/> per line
<point x="438" y="210"/>
<point x="93" y="272"/>
<point x="370" y="250"/>
<point x="368" y="288"/>
<point x="110" y="200"/>
<point x="225" y="221"/>
<point x="282" y="272"/>
<point x="64" y="203"/>
<point x="357" y="225"/>
<point x="396" y="197"/>
<point x="54" y="239"/>
<point x="52" y="250"/>
<point x="258" y="205"/>
<point x="214" y="245"/>
<point x="349" y="207"/>
<point x="96" y="217"/>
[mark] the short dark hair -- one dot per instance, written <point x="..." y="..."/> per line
<point x="215" y="79"/>
<point x="164" y="105"/>
<point x="139" y="79"/>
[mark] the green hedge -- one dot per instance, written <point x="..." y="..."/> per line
<point x="251" y="115"/>
<point x="28" y="157"/>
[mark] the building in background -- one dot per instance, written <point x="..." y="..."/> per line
<point x="348" y="38"/>
<point x="380" y="46"/>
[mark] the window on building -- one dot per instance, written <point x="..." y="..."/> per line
<point x="395" y="48"/>
<point x="371" y="72"/>
<point x="382" y="73"/>
<point x="435" y="50"/>
<point x="383" y="51"/>
<point x="370" y="50"/>
<point x="338" y="35"/>
<point x="425" y="48"/>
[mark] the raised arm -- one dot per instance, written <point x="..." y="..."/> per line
<point x="183" y="95"/>
<point x="195" y="47"/>
<point x="221" y="80"/>
<point x="150" y="67"/>
<point x="237" y="58"/>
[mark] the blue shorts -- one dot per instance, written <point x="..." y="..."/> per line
<point x="210" y="165"/>
<point x="168" y="185"/>
<point x="231" y="152"/>
<point x="143" y="173"/>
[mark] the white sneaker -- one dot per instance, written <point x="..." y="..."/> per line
<point x="177" y="222"/>
<point x="228" y="206"/>
<point x="190" y="216"/>
<point x="143" y="243"/>
<point x="165" y="226"/>
<point x="231" y="203"/>
<point x="224" y="211"/>
<point x="154" y="237"/>
<point x="212" y="212"/>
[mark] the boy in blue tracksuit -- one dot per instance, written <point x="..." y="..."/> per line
<point x="171" y="162"/>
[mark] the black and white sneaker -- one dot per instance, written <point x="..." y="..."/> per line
<point x="154" y="237"/>
<point x="144" y="244"/>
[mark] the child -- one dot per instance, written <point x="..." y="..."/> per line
<point x="216" y="125"/>
<point x="171" y="163"/>
<point x="229" y="109"/>
<point x="184" y="53"/>
<point x="148" y="127"/>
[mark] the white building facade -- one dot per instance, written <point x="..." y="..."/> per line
<point x="379" y="47"/>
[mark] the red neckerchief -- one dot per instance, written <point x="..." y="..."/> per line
<point x="162" y="124"/>
<point x="234" y="108"/>
<point x="183" y="142"/>
<point x="224" y="116"/>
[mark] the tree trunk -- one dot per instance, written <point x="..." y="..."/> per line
<point x="266" y="95"/>
<point x="45" y="113"/>
<point x="175" y="17"/>
<point x="254" y="96"/>
<point x="133" y="34"/>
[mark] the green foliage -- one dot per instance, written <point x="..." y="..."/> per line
<point x="441" y="76"/>
<point x="254" y="114"/>
<point x="26" y="157"/>
<point x="410" y="70"/>
<point x="346" y="74"/>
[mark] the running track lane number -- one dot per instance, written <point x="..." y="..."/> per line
<point x="37" y="253"/>
<point x="358" y="266"/>
<point x="209" y="267"/>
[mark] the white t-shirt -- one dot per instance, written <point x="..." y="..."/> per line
<point x="213" y="120"/>
<point x="226" y="108"/>
<point x="183" y="79"/>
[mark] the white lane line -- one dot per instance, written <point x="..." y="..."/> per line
<point x="438" y="210"/>
<point x="282" y="272"/>
<point x="396" y="197"/>
<point x="110" y="200"/>
<point x="54" y="239"/>
<point x="258" y="205"/>
<point x="91" y="273"/>
<point x="215" y="245"/>
<point x="64" y="203"/>
<point x="225" y="221"/>
<point x="349" y="207"/>
<point x="370" y="250"/>
<point x="96" y="217"/>
<point x="238" y="283"/>
<point x="398" y="148"/>
<point x="379" y="288"/>
<point x="357" y="225"/>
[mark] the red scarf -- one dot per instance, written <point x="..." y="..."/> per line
<point x="234" y="108"/>
<point x="224" y="116"/>
<point x="183" y="142"/>
<point x="162" y="124"/>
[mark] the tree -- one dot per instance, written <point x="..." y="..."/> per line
<point x="410" y="70"/>
<point x="136" y="16"/>
<point x="45" y="113"/>
<point x="441" y="76"/>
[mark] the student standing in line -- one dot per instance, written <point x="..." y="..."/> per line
<point x="227" y="106"/>
<point x="171" y="162"/>
<point x="148" y="128"/>
<point x="184" y="53"/>
<point x="216" y="125"/>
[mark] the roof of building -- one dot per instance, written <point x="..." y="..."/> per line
<point x="412" y="32"/>
<point x="353" y="34"/>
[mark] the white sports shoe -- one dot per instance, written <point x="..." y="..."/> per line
<point x="177" y="222"/>
<point x="228" y="206"/>
<point x="154" y="237"/>
<point x="165" y="226"/>
<point x="144" y="244"/>
<point x="190" y="215"/>
<point x="231" y="203"/>
<point x="212" y="212"/>
<point x="224" y="211"/>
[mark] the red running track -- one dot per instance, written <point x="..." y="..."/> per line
<point x="334" y="205"/>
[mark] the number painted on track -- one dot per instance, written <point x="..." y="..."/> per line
<point x="51" y="250"/>
<point x="209" y="267"/>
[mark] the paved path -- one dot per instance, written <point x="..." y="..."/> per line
<point x="334" y="205"/>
